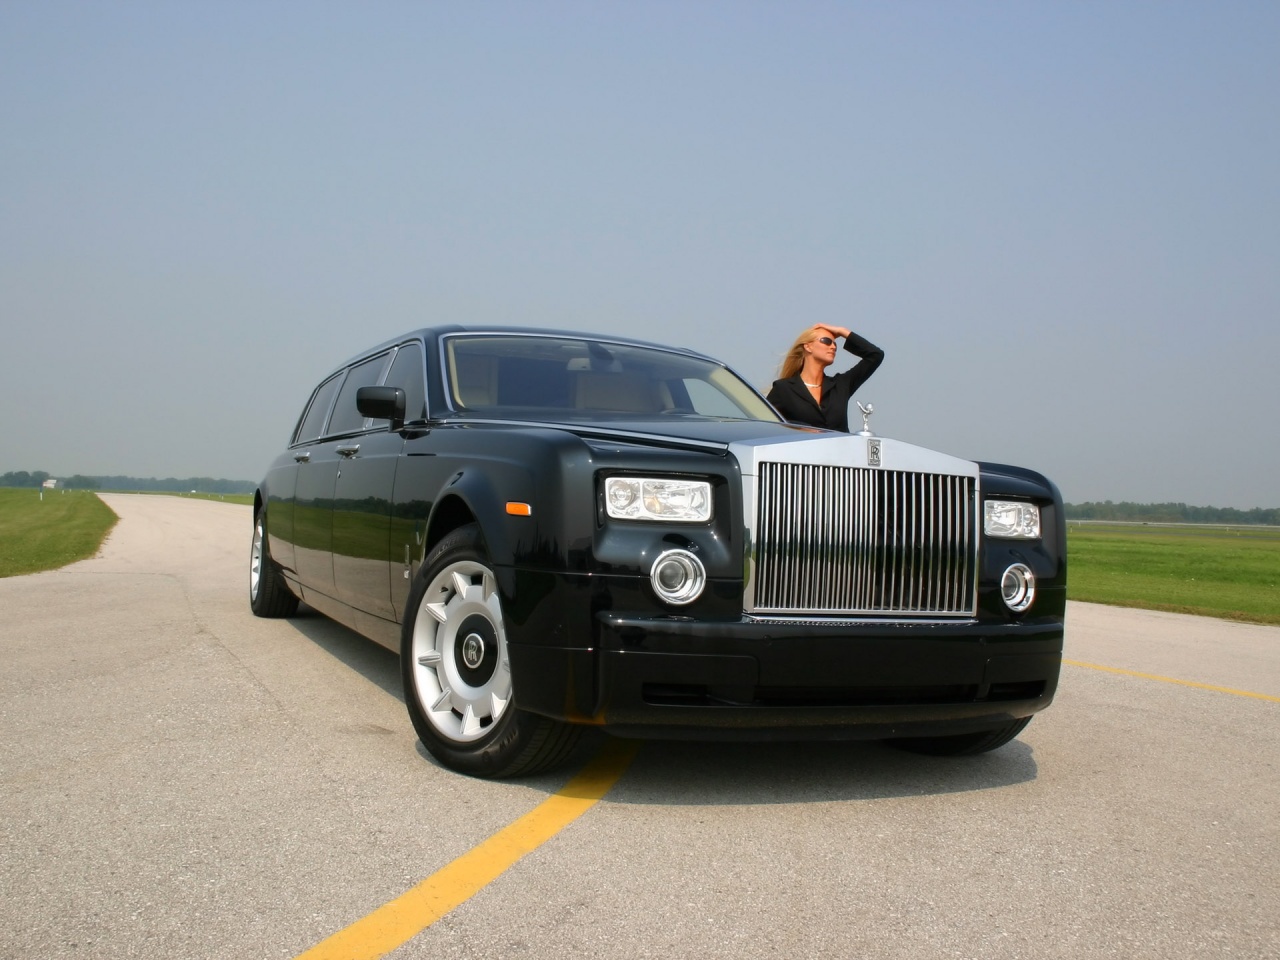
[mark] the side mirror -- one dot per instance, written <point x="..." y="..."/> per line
<point x="382" y="403"/>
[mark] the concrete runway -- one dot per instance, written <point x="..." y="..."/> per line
<point x="182" y="780"/>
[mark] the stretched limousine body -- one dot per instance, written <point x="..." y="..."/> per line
<point x="559" y="531"/>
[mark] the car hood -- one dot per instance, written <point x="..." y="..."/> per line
<point x="754" y="441"/>
<point x="694" y="432"/>
<point x="697" y="430"/>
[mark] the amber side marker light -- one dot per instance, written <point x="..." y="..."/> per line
<point x="519" y="509"/>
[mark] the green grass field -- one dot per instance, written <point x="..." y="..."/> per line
<point x="1227" y="572"/>
<point x="43" y="534"/>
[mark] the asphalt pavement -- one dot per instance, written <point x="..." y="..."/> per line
<point x="179" y="779"/>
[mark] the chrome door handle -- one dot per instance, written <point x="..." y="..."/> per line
<point x="302" y="457"/>
<point x="349" y="451"/>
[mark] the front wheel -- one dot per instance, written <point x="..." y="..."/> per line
<point x="458" y="684"/>
<point x="962" y="744"/>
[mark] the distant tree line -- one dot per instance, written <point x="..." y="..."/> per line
<point x="24" y="479"/>
<point x="36" y="478"/>
<point x="1169" y="513"/>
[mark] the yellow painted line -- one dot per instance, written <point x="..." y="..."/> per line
<point x="1183" y="683"/>
<point x="397" y="922"/>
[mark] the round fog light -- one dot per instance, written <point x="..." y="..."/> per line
<point x="678" y="577"/>
<point x="1018" y="587"/>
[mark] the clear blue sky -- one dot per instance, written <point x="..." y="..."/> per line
<point x="1060" y="220"/>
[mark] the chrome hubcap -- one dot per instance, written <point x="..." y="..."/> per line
<point x="462" y="677"/>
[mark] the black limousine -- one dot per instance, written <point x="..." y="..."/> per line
<point x="559" y="531"/>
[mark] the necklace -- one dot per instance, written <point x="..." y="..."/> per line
<point x="807" y="384"/>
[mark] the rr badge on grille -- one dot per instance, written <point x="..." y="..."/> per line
<point x="873" y="453"/>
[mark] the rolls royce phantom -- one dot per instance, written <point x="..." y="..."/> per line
<point x="559" y="531"/>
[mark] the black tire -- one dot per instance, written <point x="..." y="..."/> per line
<point x="962" y="744"/>
<point x="457" y="678"/>
<point x="269" y="596"/>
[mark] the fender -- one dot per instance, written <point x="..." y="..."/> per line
<point x="473" y="495"/>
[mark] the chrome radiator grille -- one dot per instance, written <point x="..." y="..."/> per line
<point x="855" y="541"/>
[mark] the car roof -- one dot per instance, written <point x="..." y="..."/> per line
<point x="432" y="333"/>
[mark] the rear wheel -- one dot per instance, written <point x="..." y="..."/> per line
<point x="962" y="744"/>
<point x="457" y="676"/>
<point x="268" y="594"/>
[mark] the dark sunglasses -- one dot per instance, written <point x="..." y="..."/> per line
<point x="826" y="341"/>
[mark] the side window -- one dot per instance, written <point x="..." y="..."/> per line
<point x="346" y="418"/>
<point x="406" y="373"/>
<point x="313" y="422"/>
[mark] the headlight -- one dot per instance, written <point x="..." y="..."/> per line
<point x="648" y="498"/>
<point x="1011" y="518"/>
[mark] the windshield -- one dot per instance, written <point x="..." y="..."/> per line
<point x="542" y="377"/>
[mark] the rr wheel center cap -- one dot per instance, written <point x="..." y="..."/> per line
<point x="473" y="650"/>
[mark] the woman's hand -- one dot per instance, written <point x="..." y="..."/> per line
<point x="832" y="331"/>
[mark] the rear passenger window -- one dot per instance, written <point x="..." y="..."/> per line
<point x="313" y="422"/>
<point x="406" y="373"/>
<point x="346" y="418"/>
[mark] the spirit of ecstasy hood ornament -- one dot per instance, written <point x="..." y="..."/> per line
<point x="867" y="411"/>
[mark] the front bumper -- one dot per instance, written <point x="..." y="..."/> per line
<point x="664" y="677"/>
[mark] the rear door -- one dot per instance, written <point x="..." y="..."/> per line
<point x="291" y="513"/>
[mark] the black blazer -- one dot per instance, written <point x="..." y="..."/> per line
<point x="792" y="399"/>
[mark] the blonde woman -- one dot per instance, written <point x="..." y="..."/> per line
<point x="804" y="393"/>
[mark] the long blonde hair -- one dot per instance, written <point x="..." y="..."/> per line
<point x="793" y="362"/>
